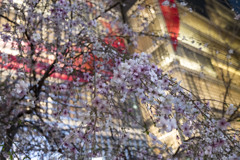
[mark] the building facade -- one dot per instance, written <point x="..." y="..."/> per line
<point x="198" y="43"/>
<point x="198" y="48"/>
<point x="58" y="114"/>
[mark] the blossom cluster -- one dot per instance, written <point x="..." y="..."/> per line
<point x="74" y="92"/>
<point x="173" y="108"/>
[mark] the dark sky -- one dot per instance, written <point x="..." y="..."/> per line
<point x="236" y="5"/>
<point x="199" y="5"/>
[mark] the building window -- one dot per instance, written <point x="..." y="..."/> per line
<point x="195" y="61"/>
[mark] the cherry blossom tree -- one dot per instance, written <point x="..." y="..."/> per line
<point x="68" y="81"/>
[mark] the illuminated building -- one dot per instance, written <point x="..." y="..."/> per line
<point x="186" y="46"/>
<point x="61" y="112"/>
<point x="198" y="42"/>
